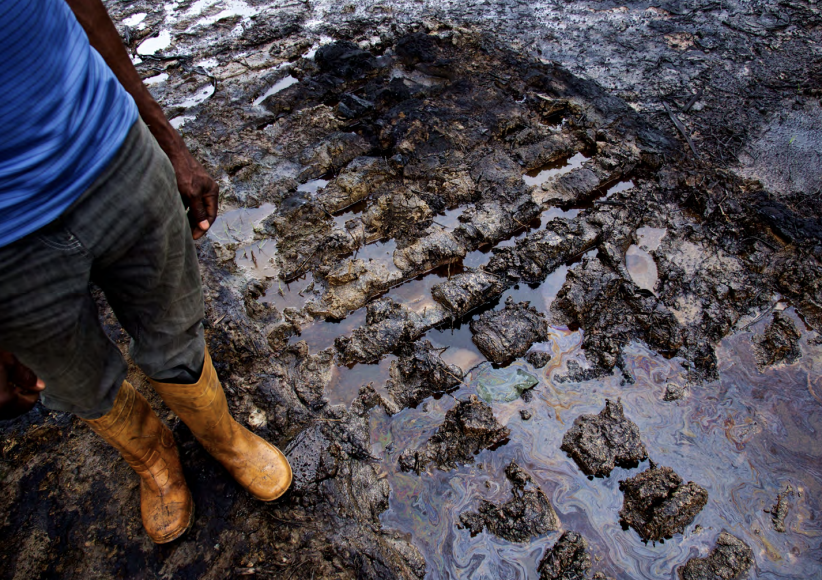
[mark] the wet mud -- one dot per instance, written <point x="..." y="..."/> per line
<point x="398" y="180"/>
<point x="526" y="515"/>
<point x="598" y="443"/>
<point x="658" y="504"/>
<point x="731" y="558"/>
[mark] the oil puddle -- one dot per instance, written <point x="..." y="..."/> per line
<point x="312" y="186"/>
<point x="156" y="79"/>
<point x="642" y="267"/>
<point x="449" y="218"/>
<point x="155" y="44"/>
<point x="135" y="20"/>
<point x="381" y="251"/>
<point x="321" y="334"/>
<point x="180" y="120"/>
<point x="291" y="295"/>
<point x="346" y="380"/>
<point x="743" y="438"/>
<point x="502" y="385"/>
<point x="237" y="225"/>
<point x="649" y="238"/>
<point x="280" y="85"/>
<point x="461" y="349"/>
<point x="416" y="293"/>
<point x="554" y="169"/>
<point x="539" y="295"/>
<point x="353" y="212"/>
<point x="199" y="97"/>
<point x="257" y="259"/>
<point x="477" y="258"/>
<point x="622" y="185"/>
<point x="231" y="8"/>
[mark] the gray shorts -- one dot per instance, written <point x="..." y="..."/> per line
<point x="128" y="233"/>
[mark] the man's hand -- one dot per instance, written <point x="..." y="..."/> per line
<point x="19" y="387"/>
<point x="198" y="190"/>
<point x="200" y="193"/>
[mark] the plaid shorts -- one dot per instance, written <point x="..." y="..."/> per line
<point x="128" y="234"/>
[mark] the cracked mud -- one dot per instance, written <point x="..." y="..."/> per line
<point x="398" y="180"/>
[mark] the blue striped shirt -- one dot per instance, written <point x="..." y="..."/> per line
<point x="63" y="114"/>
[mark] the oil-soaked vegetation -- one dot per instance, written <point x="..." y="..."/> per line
<point x="523" y="291"/>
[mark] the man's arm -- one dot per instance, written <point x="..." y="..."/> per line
<point x="199" y="191"/>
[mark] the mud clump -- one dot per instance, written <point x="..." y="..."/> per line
<point x="526" y="515"/>
<point x="657" y="504"/>
<point x="540" y="253"/>
<point x="613" y="312"/>
<point x="538" y="358"/>
<point x="778" y="344"/>
<point x="730" y="559"/>
<point x="503" y="335"/>
<point x="779" y="510"/>
<point x="436" y="248"/>
<point x="389" y="326"/>
<point x="356" y="181"/>
<point x="345" y="58"/>
<point x="418" y="373"/>
<point x="567" y="560"/>
<point x="465" y="292"/>
<point x="334" y="152"/>
<point x="674" y="392"/>
<point x="598" y="443"/>
<point x="468" y="428"/>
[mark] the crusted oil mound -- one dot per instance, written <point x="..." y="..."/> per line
<point x="568" y="559"/>
<point x="598" y="443"/>
<point x="779" y="343"/>
<point x="658" y="504"/>
<point x="417" y="374"/>
<point x="468" y="428"/>
<point x="503" y="335"/>
<point x="731" y="559"/>
<point x="526" y="515"/>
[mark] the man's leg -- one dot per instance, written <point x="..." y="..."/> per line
<point x="151" y="278"/>
<point x="50" y="322"/>
<point x="149" y="269"/>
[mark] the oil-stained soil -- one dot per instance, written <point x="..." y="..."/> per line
<point x="397" y="180"/>
<point x="567" y="560"/>
<point x="598" y="443"/>
<point x="658" y="504"/>
<point x="468" y="428"/>
<point x="526" y="515"/>
<point x="730" y="559"/>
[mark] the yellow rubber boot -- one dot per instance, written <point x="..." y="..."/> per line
<point x="132" y="428"/>
<point x="252" y="461"/>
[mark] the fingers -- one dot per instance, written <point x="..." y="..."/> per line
<point x="197" y="216"/>
<point x="199" y="192"/>
<point x="24" y="378"/>
<point x="211" y="200"/>
<point x="203" y="209"/>
<point x="19" y="387"/>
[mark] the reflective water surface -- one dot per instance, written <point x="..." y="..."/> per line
<point x="744" y="438"/>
